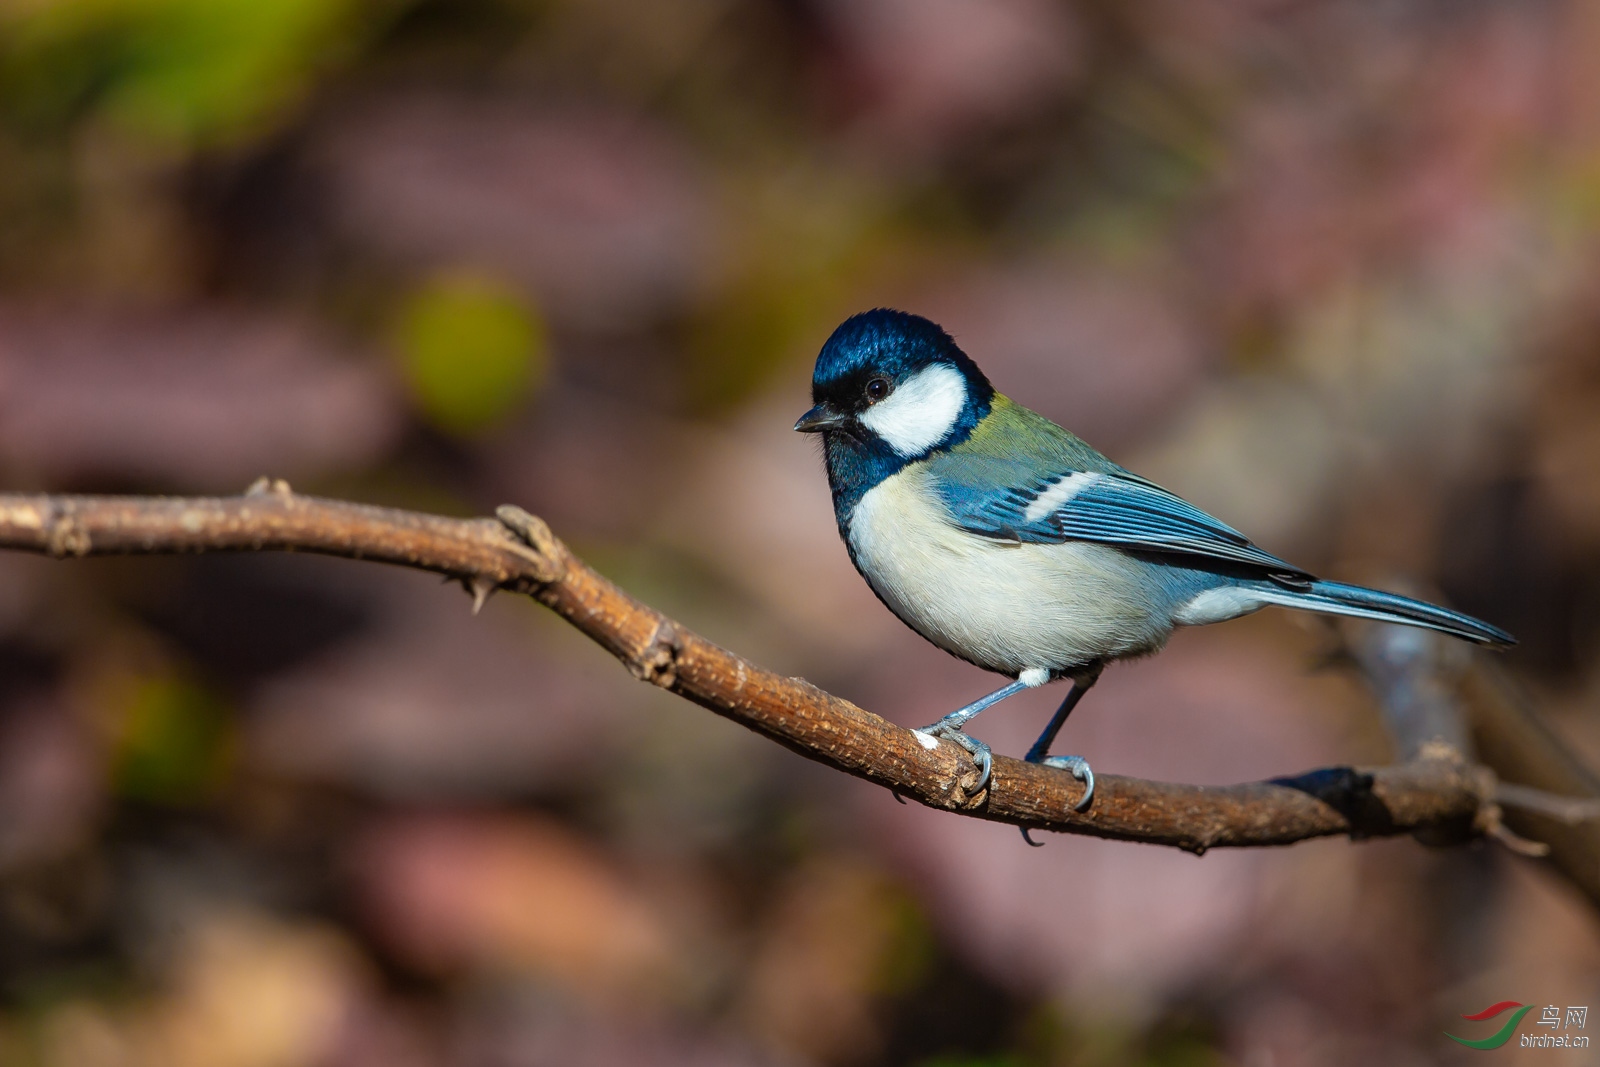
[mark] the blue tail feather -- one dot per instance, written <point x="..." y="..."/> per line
<point x="1336" y="598"/>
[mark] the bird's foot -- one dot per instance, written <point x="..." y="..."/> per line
<point x="978" y="750"/>
<point x="1078" y="767"/>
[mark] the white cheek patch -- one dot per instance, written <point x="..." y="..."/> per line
<point x="918" y="414"/>
<point x="1060" y="491"/>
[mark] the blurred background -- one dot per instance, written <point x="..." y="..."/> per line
<point x="1329" y="270"/>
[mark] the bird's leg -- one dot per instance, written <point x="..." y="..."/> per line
<point x="961" y="716"/>
<point x="950" y="726"/>
<point x="1076" y="765"/>
<point x="1042" y="746"/>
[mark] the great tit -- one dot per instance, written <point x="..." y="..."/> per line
<point x="1007" y="541"/>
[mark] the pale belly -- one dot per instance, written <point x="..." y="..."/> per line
<point x="1006" y="607"/>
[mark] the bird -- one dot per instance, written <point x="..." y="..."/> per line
<point x="1009" y="542"/>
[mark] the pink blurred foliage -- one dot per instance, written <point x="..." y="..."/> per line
<point x="1381" y="153"/>
<point x="567" y="464"/>
<point x="24" y="585"/>
<point x="825" y="951"/>
<point x="1362" y="949"/>
<point x="438" y="702"/>
<point x="529" y="1031"/>
<point x="1105" y="353"/>
<point x="191" y="398"/>
<point x="486" y="892"/>
<point x="377" y="1032"/>
<point x="926" y="73"/>
<point x="51" y="782"/>
<point x="601" y="215"/>
<point x="1281" y="1028"/>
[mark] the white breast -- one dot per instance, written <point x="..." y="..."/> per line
<point x="1007" y="607"/>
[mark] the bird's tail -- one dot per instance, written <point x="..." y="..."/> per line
<point x="1336" y="598"/>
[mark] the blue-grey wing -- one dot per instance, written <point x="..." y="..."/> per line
<point x="1115" y="508"/>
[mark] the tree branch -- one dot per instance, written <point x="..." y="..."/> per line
<point x="1439" y="799"/>
<point x="1546" y="790"/>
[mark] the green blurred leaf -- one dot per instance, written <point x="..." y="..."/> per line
<point x="175" y="742"/>
<point x="912" y="948"/>
<point x="472" y="352"/>
<point x="807" y="256"/>
<point x="181" y="71"/>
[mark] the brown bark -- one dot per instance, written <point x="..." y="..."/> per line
<point x="1436" y="798"/>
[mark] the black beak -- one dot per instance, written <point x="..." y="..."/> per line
<point x="820" y="418"/>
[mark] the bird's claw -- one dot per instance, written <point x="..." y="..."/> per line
<point x="1078" y="767"/>
<point x="980" y="752"/>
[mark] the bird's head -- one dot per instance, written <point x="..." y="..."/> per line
<point x="887" y="379"/>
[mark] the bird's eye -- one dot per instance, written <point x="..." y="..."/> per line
<point x="878" y="388"/>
